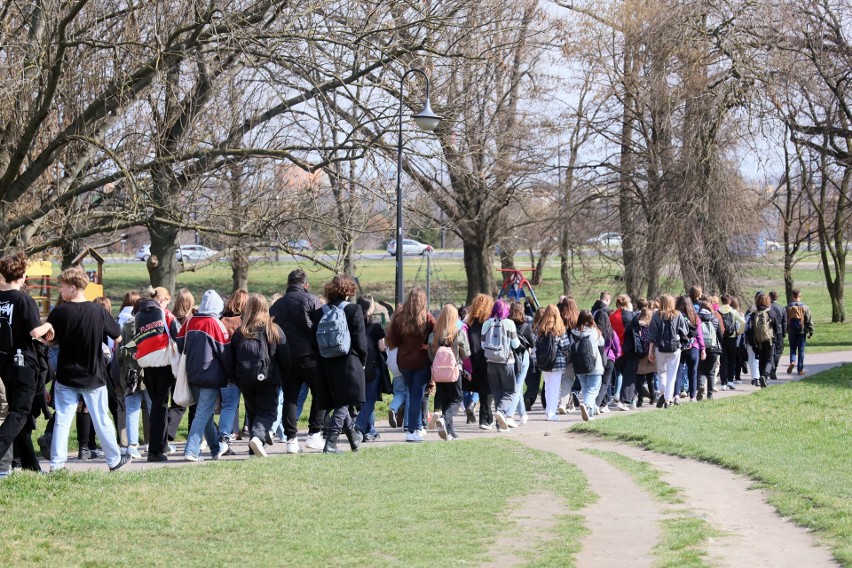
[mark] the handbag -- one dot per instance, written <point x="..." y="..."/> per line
<point x="182" y="395"/>
<point x="172" y="349"/>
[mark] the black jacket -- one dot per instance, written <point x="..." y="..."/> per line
<point x="293" y="313"/>
<point x="341" y="380"/>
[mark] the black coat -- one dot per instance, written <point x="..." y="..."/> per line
<point x="341" y="380"/>
<point x="479" y="366"/>
<point x="293" y="312"/>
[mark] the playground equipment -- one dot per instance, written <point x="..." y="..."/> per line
<point x="517" y="288"/>
<point x="44" y="289"/>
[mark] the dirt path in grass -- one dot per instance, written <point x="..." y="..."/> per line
<point x="533" y="518"/>
<point x="624" y="523"/>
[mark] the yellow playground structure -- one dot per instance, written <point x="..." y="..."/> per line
<point x="44" y="288"/>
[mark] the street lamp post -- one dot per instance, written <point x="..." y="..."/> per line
<point x="425" y="120"/>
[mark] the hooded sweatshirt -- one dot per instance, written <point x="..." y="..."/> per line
<point x="707" y="316"/>
<point x="205" y="340"/>
<point x="739" y="320"/>
<point x="152" y="337"/>
<point x="598" y="341"/>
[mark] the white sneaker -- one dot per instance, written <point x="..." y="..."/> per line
<point x="524" y="418"/>
<point x="422" y="432"/>
<point x="433" y="420"/>
<point x="604" y="409"/>
<point x="584" y="412"/>
<point x="203" y="448"/>
<point x="553" y="418"/>
<point x="256" y="446"/>
<point x="223" y="447"/>
<point x="195" y="459"/>
<point x="561" y="410"/>
<point x="315" y="441"/>
<point x="413" y="436"/>
<point x="510" y="422"/>
<point x="485" y="427"/>
<point x="442" y="428"/>
<point x="172" y="449"/>
<point x="292" y="446"/>
<point x="500" y="418"/>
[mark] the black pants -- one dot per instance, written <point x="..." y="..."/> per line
<point x="339" y="420"/>
<point x="24" y="450"/>
<point x="765" y="357"/>
<point x="776" y="358"/>
<point x="533" y="383"/>
<point x="20" y="387"/>
<point x="728" y="363"/>
<point x="303" y="370"/>
<point x="159" y="381"/>
<point x="118" y="409"/>
<point x="448" y="398"/>
<point x="261" y="402"/>
<point x="629" y="379"/>
<point x="606" y="381"/>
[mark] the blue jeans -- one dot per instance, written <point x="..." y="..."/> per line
<point x="416" y="381"/>
<point x="517" y="404"/>
<point x="400" y="395"/>
<point x="615" y="384"/>
<point x="797" y="346"/>
<point x="65" y="401"/>
<point x="682" y="377"/>
<point x="203" y="424"/>
<point x="589" y="386"/>
<point x="230" y="405"/>
<point x="366" y="419"/>
<point x="303" y="395"/>
<point x="134" y="408"/>
<point x="470" y="397"/>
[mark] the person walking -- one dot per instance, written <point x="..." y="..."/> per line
<point x="156" y="329"/>
<point x="209" y="363"/>
<point x="365" y="422"/>
<point x="409" y="331"/>
<point x="778" y="344"/>
<point x="293" y="313"/>
<point x="552" y="348"/>
<point x="260" y="356"/>
<point x="695" y="350"/>
<point x="733" y="325"/>
<point x="480" y="310"/>
<point x="20" y="325"/>
<point x="523" y="360"/>
<point x="447" y="363"/>
<point x="586" y="355"/>
<point x="800" y="326"/>
<point x="712" y="330"/>
<point x="667" y="335"/>
<point x="341" y="343"/>
<point x="499" y="342"/>
<point x="79" y="329"/>
<point x="765" y="329"/>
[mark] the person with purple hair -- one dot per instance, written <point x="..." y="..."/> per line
<point x="501" y="366"/>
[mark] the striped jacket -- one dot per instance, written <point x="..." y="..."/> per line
<point x="209" y="361"/>
<point x="152" y="338"/>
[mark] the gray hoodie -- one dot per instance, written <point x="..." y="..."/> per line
<point x="211" y="304"/>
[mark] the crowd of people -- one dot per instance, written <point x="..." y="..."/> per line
<point x="488" y="361"/>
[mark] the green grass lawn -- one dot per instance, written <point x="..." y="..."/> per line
<point x="405" y="505"/>
<point x="793" y="439"/>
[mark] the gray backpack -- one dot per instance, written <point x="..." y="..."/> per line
<point x="495" y="343"/>
<point x="333" y="336"/>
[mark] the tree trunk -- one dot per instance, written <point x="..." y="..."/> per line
<point x="538" y="273"/>
<point x="507" y="256"/>
<point x="70" y="249"/>
<point x="239" y="269"/>
<point x="565" y="262"/>
<point x="479" y="270"/>
<point x="627" y="207"/>
<point x="163" y="267"/>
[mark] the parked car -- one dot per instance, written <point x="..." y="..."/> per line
<point x="299" y="245"/>
<point x="409" y="246"/>
<point x="194" y="253"/>
<point x="144" y="253"/>
<point x="612" y="240"/>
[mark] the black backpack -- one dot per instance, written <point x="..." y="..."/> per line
<point x="730" y="325"/>
<point x="545" y="352"/>
<point x="253" y="359"/>
<point x="669" y="340"/>
<point x="583" y="355"/>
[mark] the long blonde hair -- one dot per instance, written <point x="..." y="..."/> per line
<point x="446" y="328"/>
<point x="667" y="307"/>
<point x="255" y="317"/>
<point x="480" y="309"/>
<point x="551" y="322"/>
<point x="411" y="317"/>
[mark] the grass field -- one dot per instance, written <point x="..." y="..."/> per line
<point x="405" y="505"/>
<point x="449" y="284"/>
<point x="793" y="439"/>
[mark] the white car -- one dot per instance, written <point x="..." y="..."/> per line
<point x="144" y="253"/>
<point x="194" y="253"/>
<point x="606" y="240"/>
<point x="409" y="246"/>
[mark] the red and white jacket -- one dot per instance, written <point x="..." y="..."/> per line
<point x="153" y="338"/>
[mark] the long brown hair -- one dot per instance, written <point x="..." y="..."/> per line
<point x="411" y="317"/>
<point x="569" y="311"/>
<point x="551" y="322"/>
<point x="667" y="307"/>
<point x="255" y="319"/>
<point x="184" y="303"/>
<point x="516" y="314"/>
<point x="446" y="328"/>
<point x="585" y="320"/>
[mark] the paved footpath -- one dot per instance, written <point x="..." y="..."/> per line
<point x="627" y="519"/>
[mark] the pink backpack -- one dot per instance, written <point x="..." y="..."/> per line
<point x="445" y="367"/>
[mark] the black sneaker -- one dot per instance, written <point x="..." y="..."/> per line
<point x="125" y="459"/>
<point x="158" y="458"/>
<point x="762" y="382"/>
<point x="661" y="402"/>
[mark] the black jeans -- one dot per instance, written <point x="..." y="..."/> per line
<point x="629" y="381"/>
<point x="448" y="397"/>
<point x="728" y="364"/>
<point x="20" y="387"/>
<point x="765" y="356"/>
<point x="533" y="383"/>
<point x="159" y="381"/>
<point x="261" y="402"/>
<point x="118" y="409"/>
<point x="606" y="381"/>
<point x="776" y="358"/>
<point x="339" y="420"/>
<point x="303" y="370"/>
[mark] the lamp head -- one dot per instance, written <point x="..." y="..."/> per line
<point x="426" y="119"/>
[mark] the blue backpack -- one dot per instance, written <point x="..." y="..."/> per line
<point x="333" y="336"/>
